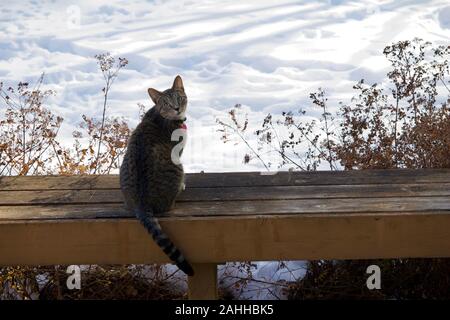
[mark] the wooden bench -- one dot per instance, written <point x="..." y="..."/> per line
<point x="46" y="220"/>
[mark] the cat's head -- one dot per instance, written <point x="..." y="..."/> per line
<point x="171" y="103"/>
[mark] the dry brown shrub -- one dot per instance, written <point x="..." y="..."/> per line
<point x="29" y="145"/>
<point x="403" y="122"/>
<point x="28" y="130"/>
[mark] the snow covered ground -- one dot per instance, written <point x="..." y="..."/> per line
<point x="266" y="55"/>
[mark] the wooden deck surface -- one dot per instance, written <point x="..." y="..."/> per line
<point x="231" y="217"/>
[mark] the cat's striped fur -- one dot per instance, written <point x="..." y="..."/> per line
<point x="149" y="179"/>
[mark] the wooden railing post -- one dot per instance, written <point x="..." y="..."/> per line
<point x="203" y="285"/>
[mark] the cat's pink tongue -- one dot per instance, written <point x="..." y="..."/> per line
<point x="183" y="126"/>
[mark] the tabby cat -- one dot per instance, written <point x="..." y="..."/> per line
<point x="149" y="178"/>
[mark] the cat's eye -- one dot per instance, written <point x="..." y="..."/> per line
<point x="181" y="100"/>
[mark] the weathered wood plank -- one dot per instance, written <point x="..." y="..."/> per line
<point x="319" y="178"/>
<point x="218" y="239"/>
<point x="231" y="194"/>
<point x="238" y="179"/>
<point x="236" y="208"/>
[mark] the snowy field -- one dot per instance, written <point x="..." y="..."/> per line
<point x="266" y="55"/>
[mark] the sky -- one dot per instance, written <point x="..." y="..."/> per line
<point x="266" y="55"/>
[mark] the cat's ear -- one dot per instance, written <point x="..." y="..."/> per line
<point x="154" y="94"/>
<point x="178" y="83"/>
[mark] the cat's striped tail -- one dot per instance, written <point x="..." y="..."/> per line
<point x="153" y="227"/>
